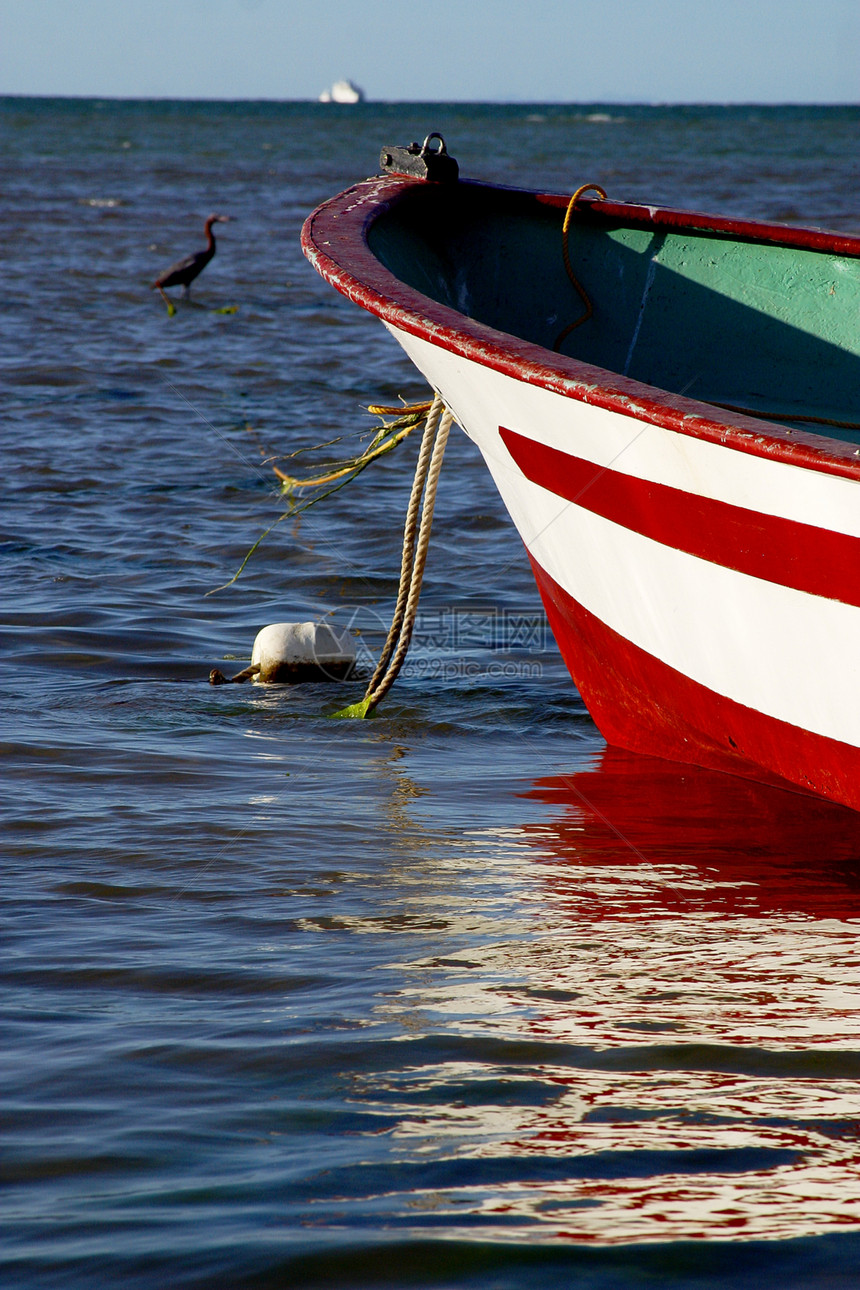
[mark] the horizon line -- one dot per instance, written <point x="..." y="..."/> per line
<point x="452" y="102"/>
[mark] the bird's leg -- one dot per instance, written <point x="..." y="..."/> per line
<point x="171" y="307"/>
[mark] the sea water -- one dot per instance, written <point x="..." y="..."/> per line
<point x="456" y="996"/>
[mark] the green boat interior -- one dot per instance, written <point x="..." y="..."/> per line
<point x="768" y="328"/>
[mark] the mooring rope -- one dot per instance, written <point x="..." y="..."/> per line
<point x="416" y="541"/>
<point x="410" y="532"/>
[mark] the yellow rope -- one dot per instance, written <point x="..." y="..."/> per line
<point x="388" y="436"/>
<point x="366" y="457"/>
<point x="402" y="409"/>
<point x="565" y="230"/>
<point x="409" y="416"/>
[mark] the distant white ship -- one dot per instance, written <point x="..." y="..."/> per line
<point x="343" y="92"/>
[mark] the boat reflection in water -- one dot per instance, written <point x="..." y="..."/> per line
<point x="744" y="847"/>
<point x="670" y="1019"/>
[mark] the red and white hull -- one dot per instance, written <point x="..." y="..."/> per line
<point x="699" y="568"/>
<point x="694" y="592"/>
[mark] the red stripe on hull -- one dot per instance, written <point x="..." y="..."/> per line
<point x="802" y="556"/>
<point x="642" y="704"/>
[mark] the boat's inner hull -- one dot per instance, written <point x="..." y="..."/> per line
<point x="719" y="318"/>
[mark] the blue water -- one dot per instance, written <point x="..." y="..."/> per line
<point x="456" y="996"/>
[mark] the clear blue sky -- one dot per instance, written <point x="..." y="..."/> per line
<point x="534" y="50"/>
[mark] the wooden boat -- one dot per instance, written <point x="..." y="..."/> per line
<point x="673" y="427"/>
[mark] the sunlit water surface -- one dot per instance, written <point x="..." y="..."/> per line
<point x="456" y="996"/>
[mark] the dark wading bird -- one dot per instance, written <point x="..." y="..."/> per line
<point x="183" y="273"/>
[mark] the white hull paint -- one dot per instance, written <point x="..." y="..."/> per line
<point x="778" y="651"/>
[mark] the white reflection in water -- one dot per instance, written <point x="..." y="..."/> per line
<point x="700" y="956"/>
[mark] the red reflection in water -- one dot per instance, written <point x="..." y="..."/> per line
<point x="752" y="847"/>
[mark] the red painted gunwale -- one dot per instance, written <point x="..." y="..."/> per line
<point x="334" y="238"/>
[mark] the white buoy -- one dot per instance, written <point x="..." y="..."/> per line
<point x="301" y="652"/>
